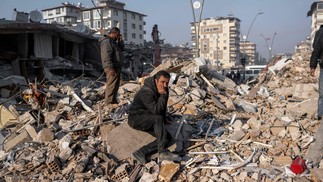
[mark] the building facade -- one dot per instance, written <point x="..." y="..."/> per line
<point x="110" y="13"/>
<point x="248" y="51"/>
<point x="66" y="14"/>
<point x="316" y="12"/>
<point x="101" y="18"/>
<point x="218" y="40"/>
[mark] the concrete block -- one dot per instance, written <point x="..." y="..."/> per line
<point x="45" y="135"/>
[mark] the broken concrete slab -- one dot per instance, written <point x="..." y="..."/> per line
<point x="305" y="91"/>
<point x="122" y="146"/>
<point x="18" y="139"/>
<point x="314" y="152"/>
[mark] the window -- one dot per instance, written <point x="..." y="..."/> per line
<point x="50" y="12"/>
<point x="115" y="23"/>
<point x="58" y="11"/>
<point x="96" y="14"/>
<point x="256" y="71"/>
<point x="125" y="36"/>
<point x="133" y="16"/>
<point x="140" y="36"/>
<point x="59" y="19"/>
<point x="88" y="24"/>
<point x="319" y="5"/>
<point x="133" y="35"/>
<point x="140" y="18"/>
<point x="115" y="12"/>
<point x="86" y="15"/>
<point x="125" y="16"/>
<point x="140" y="27"/>
<point x="97" y="24"/>
<point x="133" y="26"/>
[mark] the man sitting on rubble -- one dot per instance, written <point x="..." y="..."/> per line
<point x="148" y="113"/>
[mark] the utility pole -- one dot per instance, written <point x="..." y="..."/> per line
<point x="197" y="6"/>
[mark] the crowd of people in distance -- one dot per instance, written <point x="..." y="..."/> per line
<point x="233" y="75"/>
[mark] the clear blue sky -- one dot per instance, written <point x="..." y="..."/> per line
<point x="285" y="17"/>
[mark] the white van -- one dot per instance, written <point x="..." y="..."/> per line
<point x="253" y="70"/>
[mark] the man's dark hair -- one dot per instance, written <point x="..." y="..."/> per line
<point x="114" y="30"/>
<point x="162" y="73"/>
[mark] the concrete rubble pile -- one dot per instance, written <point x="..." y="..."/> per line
<point x="223" y="131"/>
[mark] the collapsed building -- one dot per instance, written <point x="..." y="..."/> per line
<point x="26" y="48"/>
<point x="223" y="131"/>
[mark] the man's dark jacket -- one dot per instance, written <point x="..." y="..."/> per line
<point x="148" y="100"/>
<point x="318" y="49"/>
<point x="111" y="53"/>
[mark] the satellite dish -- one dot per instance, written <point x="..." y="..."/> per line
<point x="35" y="16"/>
<point x="82" y="29"/>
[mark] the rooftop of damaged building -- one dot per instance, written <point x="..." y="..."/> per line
<point x="224" y="131"/>
<point x="10" y="26"/>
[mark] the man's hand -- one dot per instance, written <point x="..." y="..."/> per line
<point x="312" y="71"/>
<point x="161" y="89"/>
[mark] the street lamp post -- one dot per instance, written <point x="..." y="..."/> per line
<point x="271" y="45"/>
<point x="270" y="48"/>
<point x="195" y="6"/>
<point x="254" y="19"/>
<point x="244" y="60"/>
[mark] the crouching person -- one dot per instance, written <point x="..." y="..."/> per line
<point x="148" y="113"/>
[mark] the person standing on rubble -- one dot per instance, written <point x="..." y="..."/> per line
<point x="112" y="47"/>
<point x="148" y="113"/>
<point x="316" y="58"/>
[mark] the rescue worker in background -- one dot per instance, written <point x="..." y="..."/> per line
<point x="112" y="47"/>
<point x="148" y="113"/>
<point x="316" y="58"/>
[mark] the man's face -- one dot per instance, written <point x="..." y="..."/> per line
<point x="162" y="82"/>
<point x="115" y="35"/>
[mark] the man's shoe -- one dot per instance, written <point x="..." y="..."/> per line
<point x="138" y="156"/>
<point x="168" y="156"/>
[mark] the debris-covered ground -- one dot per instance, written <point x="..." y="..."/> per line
<point x="59" y="131"/>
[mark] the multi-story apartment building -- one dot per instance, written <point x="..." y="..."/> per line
<point x="101" y="18"/>
<point x="248" y="51"/>
<point x="66" y="14"/>
<point x="316" y="12"/>
<point x="218" y="40"/>
<point x="111" y="13"/>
